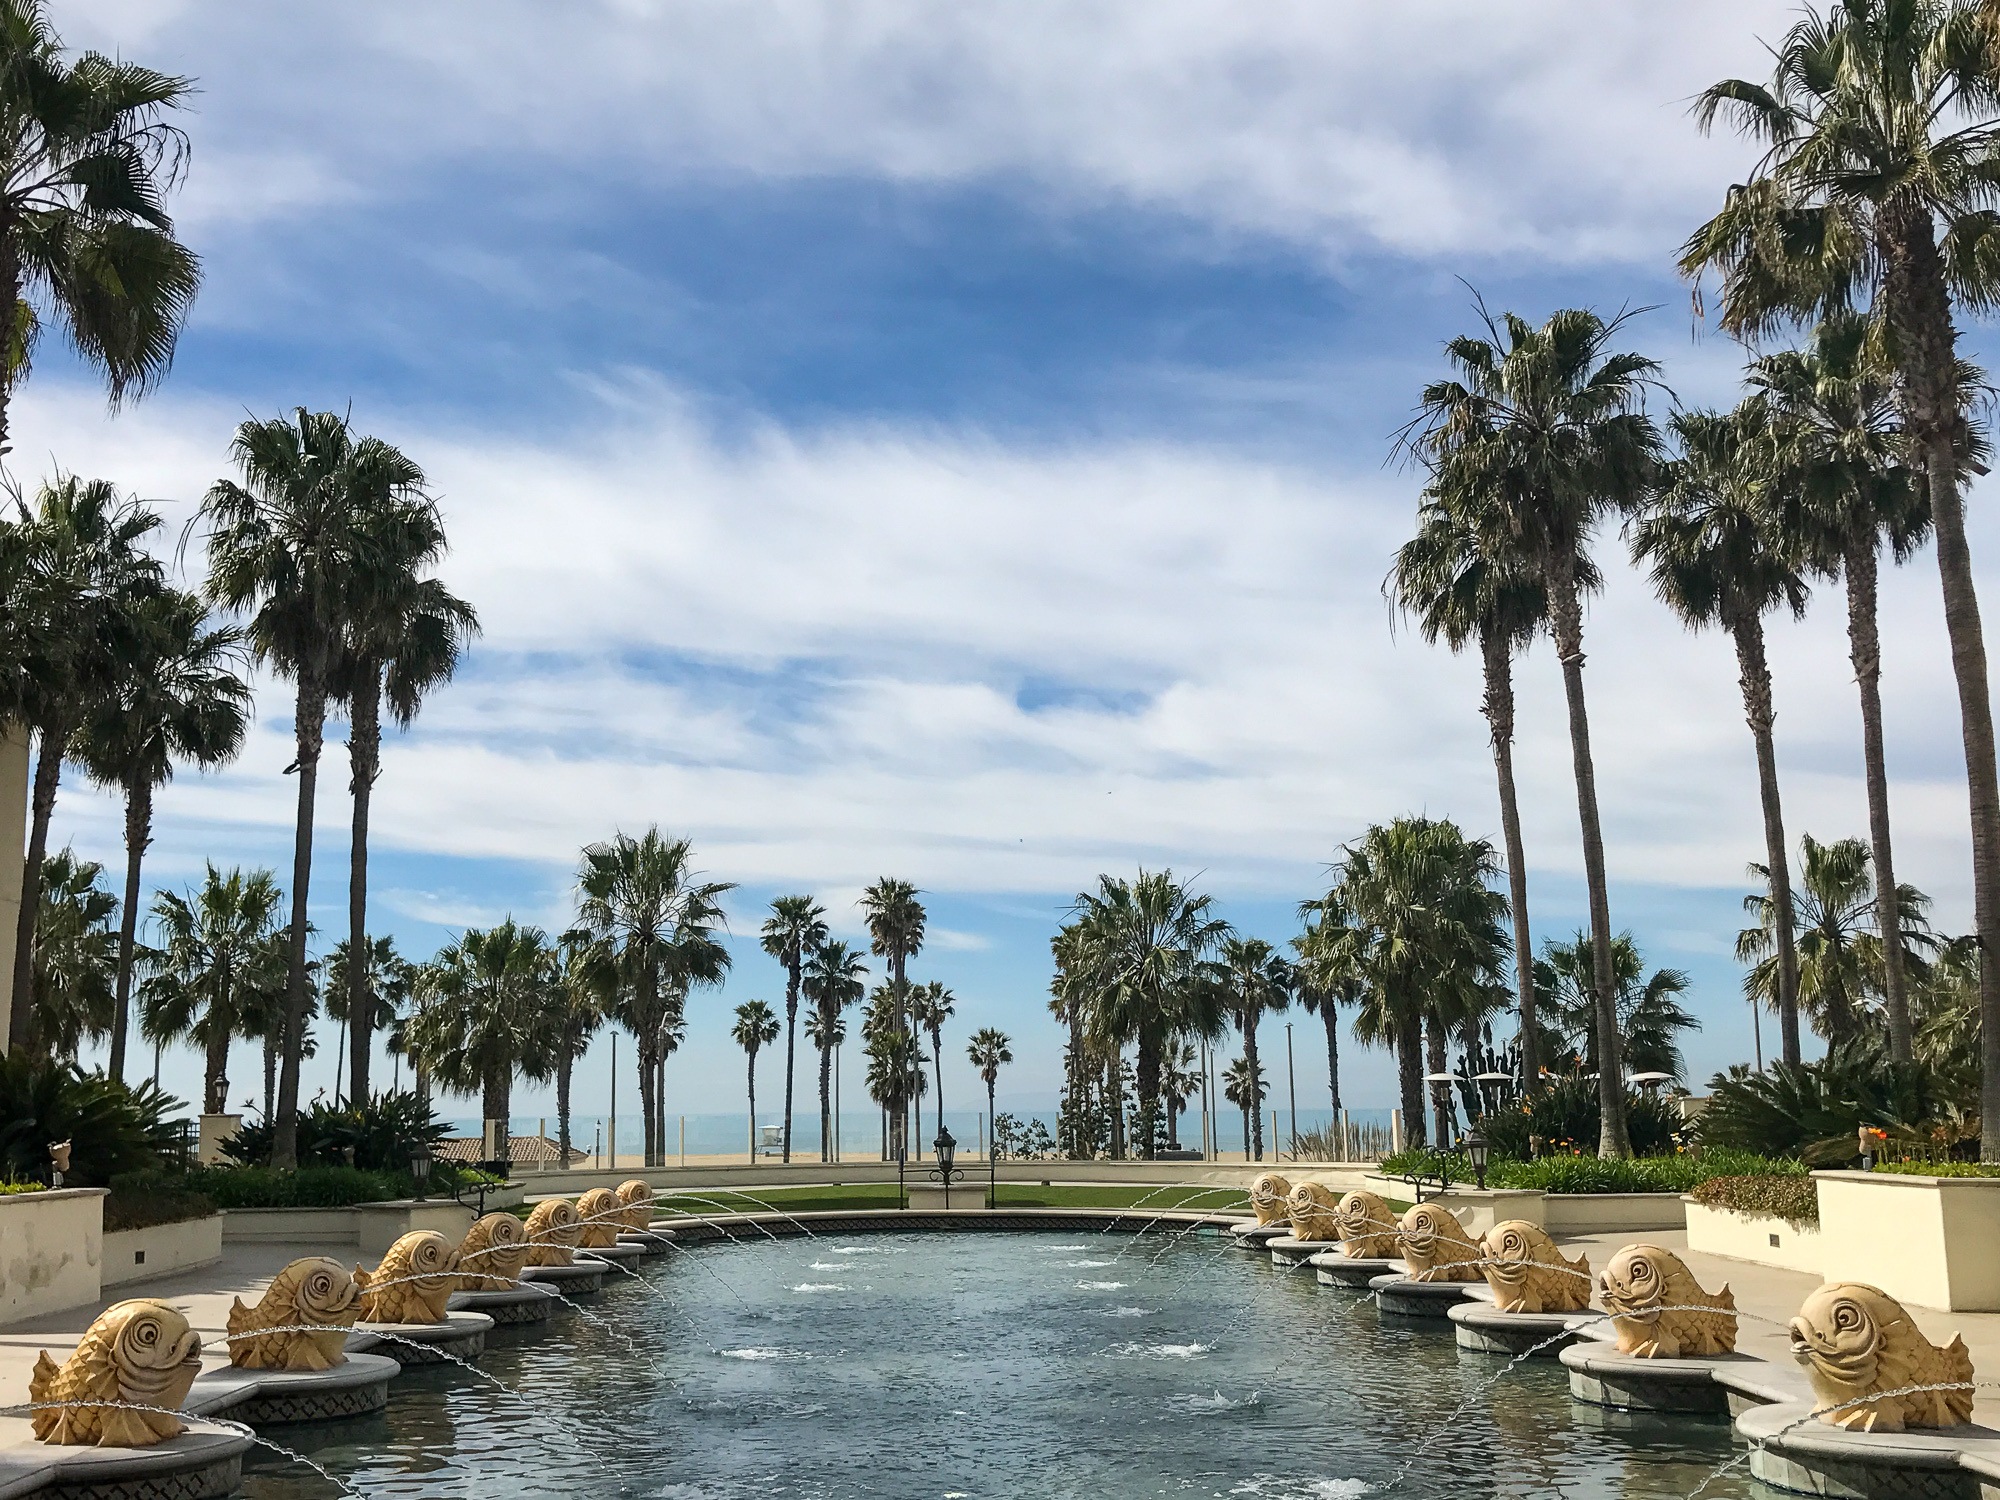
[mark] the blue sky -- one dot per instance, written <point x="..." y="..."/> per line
<point x="950" y="442"/>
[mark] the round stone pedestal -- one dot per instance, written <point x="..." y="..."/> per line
<point x="1811" y="1457"/>
<point x="1600" y="1376"/>
<point x="462" y="1335"/>
<point x="353" y="1388"/>
<point x="203" y="1463"/>
<point x="649" y="1241"/>
<point x="1483" y="1329"/>
<point x="1405" y="1297"/>
<point x="623" y="1255"/>
<point x="1288" y="1250"/>
<point x="1337" y="1268"/>
<point x="575" y="1280"/>
<point x="1254" y="1236"/>
<point x="507" y="1306"/>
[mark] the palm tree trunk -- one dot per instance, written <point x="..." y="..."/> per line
<point x="753" y="1109"/>
<point x="42" y="806"/>
<point x="1437" y="1060"/>
<point x="825" y="1103"/>
<point x="791" y="1047"/>
<point x="496" y="1098"/>
<point x="937" y="1069"/>
<point x="1497" y="653"/>
<point x="271" y="1076"/>
<point x="310" y="727"/>
<point x="1410" y="1078"/>
<point x="991" y="1116"/>
<point x="1566" y="624"/>
<point x="1920" y="320"/>
<point x="215" y="1072"/>
<point x="138" y="834"/>
<point x="1255" y="1141"/>
<point x="564" y="1069"/>
<point x="1329" y="1014"/>
<point x="1864" y="649"/>
<point x="364" y="753"/>
<point x="1149" y="1094"/>
<point x="660" y="1102"/>
<point x="646" y="1107"/>
<point x="1754" y="673"/>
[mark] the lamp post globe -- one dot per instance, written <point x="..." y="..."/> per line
<point x="947" y="1149"/>
<point x="1476" y="1149"/>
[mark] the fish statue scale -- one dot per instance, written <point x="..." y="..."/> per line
<point x="637" y="1196"/>
<point x="1268" y="1198"/>
<point x="1368" y="1227"/>
<point x="552" y="1232"/>
<point x="1858" y="1344"/>
<point x="413" y="1283"/>
<point x="600" y="1217"/>
<point x="1658" y="1309"/>
<point x="139" y="1352"/>
<point x="492" y="1254"/>
<point x="1435" y="1246"/>
<point x="1311" y="1208"/>
<point x="312" y="1290"/>
<point x="1528" y="1274"/>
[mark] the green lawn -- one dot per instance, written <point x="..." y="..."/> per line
<point x="1109" y="1195"/>
<point x="821" y="1198"/>
<point x="860" y="1195"/>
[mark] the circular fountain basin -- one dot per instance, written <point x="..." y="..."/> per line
<point x="1338" y="1268"/>
<point x="1289" y="1250"/>
<point x="1600" y="1376"/>
<point x="203" y="1463"/>
<point x="1483" y="1329"/>
<point x="1794" y="1451"/>
<point x="619" y="1254"/>
<point x="573" y="1280"/>
<point x="507" y="1305"/>
<point x="1406" y="1297"/>
<point x="1253" y="1235"/>
<point x="649" y="1241"/>
<point x="353" y="1388"/>
<point x="462" y="1335"/>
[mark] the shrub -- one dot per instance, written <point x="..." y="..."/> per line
<point x="140" y="1200"/>
<point x="1815" y="1110"/>
<point x="1566" y="1117"/>
<point x="111" y="1128"/>
<point x="9" y="1188"/>
<point x="1792" y="1196"/>
<point x="1939" y="1168"/>
<point x="1446" y="1167"/>
<point x="385" y="1133"/>
<point x="1680" y="1173"/>
<point x="309" y="1187"/>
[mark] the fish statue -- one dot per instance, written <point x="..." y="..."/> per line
<point x="313" y="1290"/>
<point x="1310" y="1207"/>
<point x="1859" y="1348"/>
<point x="600" y="1217"/>
<point x="552" y="1232"/>
<point x="1268" y="1197"/>
<point x="138" y="1353"/>
<point x="1528" y="1274"/>
<point x="1658" y="1309"/>
<point x="492" y="1254"/>
<point x="413" y="1283"/>
<point x="1435" y="1246"/>
<point x="1367" y="1227"/>
<point x="637" y="1196"/>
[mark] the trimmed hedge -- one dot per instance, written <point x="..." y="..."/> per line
<point x="1792" y="1196"/>
<point x="1939" y="1168"/>
<point x="1679" y="1173"/>
<point x="141" y="1200"/>
<point x="309" y="1187"/>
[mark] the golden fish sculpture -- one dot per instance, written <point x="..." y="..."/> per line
<point x="1368" y="1228"/>
<point x="552" y="1232"/>
<point x="1435" y="1246"/>
<point x="1310" y="1207"/>
<point x="1529" y="1274"/>
<point x="492" y="1254"/>
<point x="637" y="1196"/>
<point x="1859" y="1348"/>
<point x="413" y="1283"/>
<point x="600" y="1216"/>
<point x="1268" y="1197"/>
<point x="314" y="1291"/>
<point x="1660" y="1311"/>
<point x="137" y="1353"/>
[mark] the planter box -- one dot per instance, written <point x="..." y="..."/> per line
<point x="1611" y="1213"/>
<point x="161" y="1250"/>
<point x="1934" y="1241"/>
<point x="1477" y="1209"/>
<point x="380" y="1225"/>
<point x="51" y="1249"/>
<point x="315" y="1228"/>
<point x="1759" y="1239"/>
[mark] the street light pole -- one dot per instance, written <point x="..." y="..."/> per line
<point x="1292" y="1086"/>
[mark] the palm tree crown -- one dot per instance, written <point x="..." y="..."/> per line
<point x="795" y="928"/>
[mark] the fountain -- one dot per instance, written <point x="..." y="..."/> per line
<point x="1370" y="1244"/>
<point x="1442" y="1260"/>
<point x="554" y="1230"/>
<point x="637" y="1195"/>
<point x="1309" y="1209"/>
<point x="404" y="1303"/>
<point x="601" y="1217"/>
<point x="1270" y="1201"/>
<point x="1537" y="1294"/>
<point x="1669" y="1333"/>
<point x="288" y="1359"/>
<point x="491" y="1258"/>
<point x="1872" y="1369"/>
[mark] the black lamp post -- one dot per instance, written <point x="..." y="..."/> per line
<point x="1476" y="1149"/>
<point x="420" y="1169"/>
<point x="947" y="1150"/>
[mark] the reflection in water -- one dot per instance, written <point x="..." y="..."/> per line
<point x="980" y="1366"/>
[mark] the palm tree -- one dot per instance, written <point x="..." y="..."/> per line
<point x="834" y="977"/>
<point x="795" y="928"/>
<point x="321" y="518"/>
<point x="1244" y="1086"/>
<point x="989" y="1051"/>
<point x="212" y="961"/>
<point x="656" y="923"/>
<point x="1326" y="978"/>
<point x="896" y="933"/>
<point x="584" y="983"/>
<point x="88" y="154"/>
<point x="756" y="1028"/>
<point x="1650" y="1014"/>
<point x="1549" y="426"/>
<point x="381" y="982"/>
<point x="931" y="1005"/>
<point x="75" y="605"/>
<point x="488" y="1015"/>
<point x="1716" y="548"/>
<point x="1255" y="979"/>
<point x="1879" y="124"/>
<point x="403" y="638"/>
<point x="75" y="956"/>
<point x="178" y="696"/>
<point x="1462" y="593"/>
<point x="1850" y="490"/>
<point x="1180" y="1081"/>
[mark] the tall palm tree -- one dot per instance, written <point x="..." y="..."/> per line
<point x="1549" y="425"/>
<point x="656" y="921"/>
<point x="1716" y="546"/>
<point x="795" y="928"/>
<point x="1255" y="979"/>
<point x="1464" y="589"/>
<point x="75" y="606"/>
<point x="1180" y="1082"/>
<point x="88" y="154"/>
<point x="381" y="981"/>
<point x="931" y="1005"/>
<point x="584" y="986"/>
<point x="834" y="977"/>
<point x="76" y="956"/>
<point x="1326" y="976"/>
<point x="895" y="919"/>
<point x="178" y="696"/>
<point x="1650" y="1014"/>
<point x="265" y="1012"/>
<point x="1849" y="491"/>
<point x="989" y="1050"/>
<point x="488" y="1015"/>
<point x="320" y="518"/>
<point x="1879" y="182"/>
<point x="213" y="959"/>
<point x="755" y="1029"/>
<point x="403" y="638"/>
<point x="1245" y="1087"/>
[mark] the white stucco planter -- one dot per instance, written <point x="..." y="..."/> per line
<point x="51" y="1251"/>
<point x="1934" y="1241"/>
<point x="1609" y="1213"/>
<point x="161" y="1249"/>
<point x="313" y="1227"/>
<point x="1758" y="1238"/>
